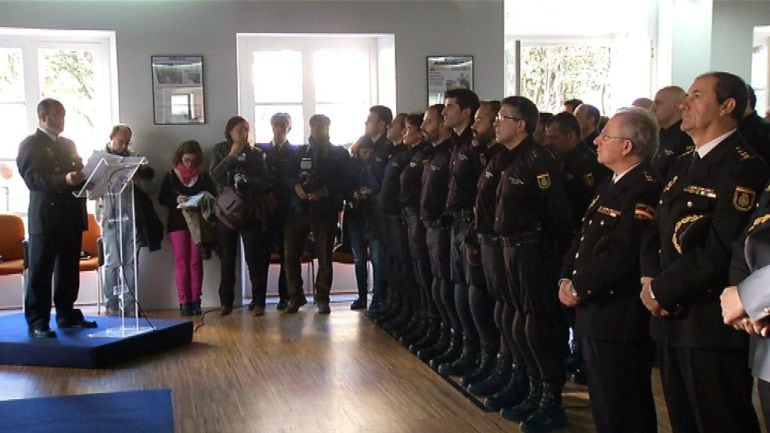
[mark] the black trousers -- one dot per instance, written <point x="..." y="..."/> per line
<point x="459" y="278"/>
<point x="539" y="328"/>
<point x="418" y="251"/>
<point x="482" y="305"/>
<point x="438" y="239"/>
<point x="764" y="400"/>
<point x="620" y="386"/>
<point x="257" y="257"/>
<point x="707" y="390"/>
<point x="53" y="257"/>
<point x="493" y="265"/>
<point x="274" y="243"/>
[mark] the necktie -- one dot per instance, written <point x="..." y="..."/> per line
<point x="693" y="161"/>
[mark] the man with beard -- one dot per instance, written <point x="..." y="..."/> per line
<point x="673" y="141"/>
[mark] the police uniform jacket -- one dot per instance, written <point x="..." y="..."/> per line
<point x="391" y="185"/>
<point x="582" y="174"/>
<point x="701" y="212"/>
<point x="750" y="271"/>
<point x="43" y="163"/>
<point x="531" y="198"/>
<point x="410" y="179"/>
<point x="756" y="131"/>
<point x="280" y="161"/>
<point x="603" y="262"/>
<point x="464" y="168"/>
<point x="435" y="182"/>
<point x="486" y="199"/>
<point x="673" y="142"/>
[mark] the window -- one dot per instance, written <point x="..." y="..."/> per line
<point x="335" y="75"/>
<point x="608" y="64"/>
<point x="71" y="66"/>
<point x="759" y="77"/>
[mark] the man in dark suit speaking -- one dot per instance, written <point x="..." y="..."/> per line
<point x="51" y="168"/>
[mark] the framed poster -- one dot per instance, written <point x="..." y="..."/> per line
<point x="177" y="90"/>
<point x="448" y="72"/>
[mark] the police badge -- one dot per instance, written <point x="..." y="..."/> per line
<point x="743" y="198"/>
<point x="544" y="181"/>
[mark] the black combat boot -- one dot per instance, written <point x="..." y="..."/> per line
<point x="440" y="347"/>
<point x="550" y="415"/>
<point x="452" y="352"/>
<point x="512" y="393"/>
<point x="498" y="379"/>
<point x="430" y="338"/>
<point x="485" y="366"/>
<point x="523" y="410"/>
<point x="416" y="330"/>
<point x="467" y="360"/>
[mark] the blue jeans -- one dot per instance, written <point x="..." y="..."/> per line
<point x="362" y="235"/>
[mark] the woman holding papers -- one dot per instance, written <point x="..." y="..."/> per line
<point x="186" y="179"/>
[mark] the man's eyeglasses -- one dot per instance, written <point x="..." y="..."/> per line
<point x="604" y="136"/>
<point x="500" y="117"/>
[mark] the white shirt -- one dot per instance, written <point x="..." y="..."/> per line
<point x="616" y="177"/>
<point x="708" y="147"/>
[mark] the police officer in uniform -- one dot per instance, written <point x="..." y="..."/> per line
<point x="435" y="187"/>
<point x="705" y="204"/>
<point x="582" y="173"/>
<point x="533" y="219"/>
<point x="498" y="354"/>
<point x="426" y="333"/>
<point x="601" y="273"/>
<point x="673" y="141"/>
<point x="460" y="106"/>
<point x="280" y="157"/>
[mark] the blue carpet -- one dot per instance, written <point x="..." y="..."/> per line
<point x="73" y="347"/>
<point x="115" y="412"/>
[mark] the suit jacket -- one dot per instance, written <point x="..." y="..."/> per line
<point x="700" y="214"/>
<point x="603" y="262"/>
<point x="750" y="271"/>
<point x="43" y="163"/>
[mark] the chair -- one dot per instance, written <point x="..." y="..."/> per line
<point x="94" y="247"/>
<point x="12" y="248"/>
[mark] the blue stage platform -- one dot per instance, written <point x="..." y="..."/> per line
<point x="148" y="411"/>
<point x="74" y="347"/>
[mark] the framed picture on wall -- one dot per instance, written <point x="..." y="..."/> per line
<point x="177" y="90"/>
<point x="448" y="72"/>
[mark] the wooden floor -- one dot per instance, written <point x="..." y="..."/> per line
<point x="293" y="373"/>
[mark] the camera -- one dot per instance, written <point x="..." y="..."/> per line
<point x="240" y="182"/>
<point x="306" y="175"/>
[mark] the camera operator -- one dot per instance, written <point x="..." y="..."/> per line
<point x="323" y="179"/>
<point x="237" y="164"/>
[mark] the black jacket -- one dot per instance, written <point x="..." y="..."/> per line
<point x="43" y="164"/>
<point x="331" y="170"/>
<point x="701" y="212"/>
<point x="603" y="262"/>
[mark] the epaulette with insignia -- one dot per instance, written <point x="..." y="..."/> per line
<point x="609" y="211"/>
<point x="743" y="153"/>
<point x="687" y="153"/>
<point x="644" y="211"/>
<point x="648" y="177"/>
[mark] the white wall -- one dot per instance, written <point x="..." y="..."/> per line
<point x="733" y="33"/>
<point x="208" y="28"/>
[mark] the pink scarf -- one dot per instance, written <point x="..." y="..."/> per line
<point x="186" y="175"/>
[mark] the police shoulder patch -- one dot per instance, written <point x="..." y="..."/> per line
<point x="544" y="180"/>
<point x="743" y="198"/>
